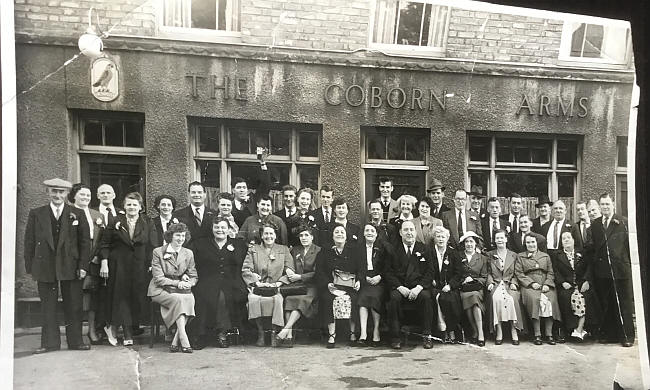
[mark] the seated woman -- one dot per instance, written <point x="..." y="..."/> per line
<point x="220" y="291"/>
<point x="304" y="305"/>
<point x="573" y="280"/>
<point x="263" y="267"/>
<point x="336" y="276"/>
<point x="474" y="275"/>
<point x="535" y="274"/>
<point x="446" y="284"/>
<point x="425" y="223"/>
<point x="373" y="257"/>
<point x="505" y="302"/>
<point x="173" y="276"/>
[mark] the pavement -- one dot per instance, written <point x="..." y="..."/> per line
<point x="312" y="366"/>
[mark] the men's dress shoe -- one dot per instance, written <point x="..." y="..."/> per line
<point x="549" y="340"/>
<point x="45" y="349"/>
<point x="174" y="348"/>
<point x="427" y="343"/>
<point x="361" y="343"/>
<point x="515" y="342"/>
<point x="186" y="349"/>
<point x="560" y="339"/>
<point x="80" y="347"/>
<point x="538" y="340"/>
<point x="375" y="344"/>
<point x="627" y="343"/>
<point x="396" y="345"/>
<point x="498" y="342"/>
<point x="480" y="343"/>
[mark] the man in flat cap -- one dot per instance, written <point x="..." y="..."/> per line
<point x="436" y="192"/>
<point x="57" y="247"/>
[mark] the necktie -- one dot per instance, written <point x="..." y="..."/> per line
<point x="110" y="211"/>
<point x="57" y="213"/>
<point x="606" y="222"/>
<point x="516" y="223"/>
<point x="327" y="216"/>
<point x="408" y="252"/>
<point x="555" y="234"/>
<point x="386" y="203"/>
<point x="460" y="223"/>
<point x="197" y="216"/>
<point x="435" y="211"/>
<point x="494" y="228"/>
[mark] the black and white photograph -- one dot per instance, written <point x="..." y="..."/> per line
<point x="323" y="194"/>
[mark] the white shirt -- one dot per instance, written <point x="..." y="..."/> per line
<point x="407" y="246"/>
<point x="289" y="212"/>
<point x="238" y="204"/>
<point x="201" y="209"/>
<point x="104" y="211"/>
<point x="369" y="257"/>
<point x="606" y="221"/>
<point x="549" y="235"/>
<point x="164" y="222"/>
<point x="55" y="209"/>
<point x="89" y="218"/>
<point x="326" y="211"/>
<point x="511" y="219"/>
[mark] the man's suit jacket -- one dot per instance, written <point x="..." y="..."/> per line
<point x="611" y="244"/>
<point x="393" y="209"/>
<point x="485" y="229"/>
<point x="410" y="271"/>
<point x="581" y="242"/>
<point x="282" y="213"/>
<point x="515" y="244"/>
<point x="472" y="222"/>
<point x="44" y="260"/>
<point x="443" y="208"/>
<point x="118" y="211"/>
<point x="247" y="209"/>
<point x="451" y="270"/>
<point x="566" y="227"/>
<point x="186" y="215"/>
<point x="320" y="235"/>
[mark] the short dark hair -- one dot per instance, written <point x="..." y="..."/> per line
<point x="133" y="196"/>
<point x="426" y="200"/>
<point x="505" y="232"/>
<point x="605" y="195"/>
<point x="289" y="187"/>
<point x="335" y="225"/>
<point x="225" y="195"/>
<point x="179" y="227"/>
<point x="515" y="195"/>
<point x="493" y="199"/>
<point x="268" y="224"/>
<point x="156" y="202"/>
<point x="75" y="188"/>
<point x="339" y="201"/>
<point x="384" y="179"/>
<point x="236" y="180"/>
<point x="195" y="183"/>
<point x="376" y="200"/>
<point x="326" y="188"/>
<point x="262" y="197"/>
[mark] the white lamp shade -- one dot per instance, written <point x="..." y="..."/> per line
<point x="90" y="45"/>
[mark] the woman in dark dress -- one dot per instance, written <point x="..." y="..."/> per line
<point x="337" y="263"/>
<point x="304" y="305"/>
<point x="446" y="284"/>
<point x="165" y="206"/>
<point x="406" y="204"/>
<point x="126" y="257"/>
<point x="220" y="291"/>
<point x="573" y="281"/>
<point x="373" y="258"/>
<point x="301" y="218"/>
<point x="474" y="275"/>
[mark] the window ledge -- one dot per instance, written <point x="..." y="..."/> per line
<point x="590" y="63"/>
<point x="408" y="51"/>
<point x="199" y="35"/>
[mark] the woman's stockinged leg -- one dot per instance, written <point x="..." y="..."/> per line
<point x="363" y="323"/>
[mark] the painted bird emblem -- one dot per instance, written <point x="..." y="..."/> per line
<point x="102" y="82"/>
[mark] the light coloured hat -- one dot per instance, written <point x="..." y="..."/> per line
<point x="58" y="183"/>
<point x="469" y="234"/>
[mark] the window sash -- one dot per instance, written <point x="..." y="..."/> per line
<point x="620" y="52"/>
<point x="388" y="20"/>
<point x="177" y="14"/>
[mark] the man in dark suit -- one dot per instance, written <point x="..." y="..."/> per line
<point x="516" y="241"/>
<point x="197" y="216"/>
<point x="386" y="232"/>
<point x="289" y="202"/>
<point x="389" y="206"/>
<point x="409" y="278"/>
<point x="515" y="212"/>
<point x="460" y="220"/>
<point x="57" y="254"/>
<point x="553" y="229"/>
<point x="244" y="204"/>
<point x="543" y="207"/>
<point x="436" y="192"/>
<point x="323" y="215"/>
<point x="613" y="274"/>
<point x="581" y="228"/>
<point x="476" y="201"/>
<point x="492" y="223"/>
<point x="106" y="196"/>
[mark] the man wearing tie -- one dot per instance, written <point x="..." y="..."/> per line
<point x="409" y="277"/>
<point x="460" y="220"/>
<point x="613" y="274"/>
<point x="476" y="201"/>
<point x="389" y="206"/>
<point x="196" y="215"/>
<point x="515" y="212"/>
<point x="492" y="223"/>
<point x="323" y="215"/>
<point x="243" y="206"/>
<point x="581" y="230"/>
<point x="553" y="229"/>
<point x="436" y="192"/>
<point x="57" y="254"/>
<point x="106" y="196"/>
<point x="289" y="201"/>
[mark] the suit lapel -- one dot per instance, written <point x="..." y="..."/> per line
<point x="46" y="224"/>
<point x="66" y="213"/>
<point x="510" y="259"/>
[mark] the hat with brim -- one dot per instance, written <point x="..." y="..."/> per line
<point x="436" y="184"/>
<point x="58" y="183"/>
<point x="476" y="191"/>
<point x="543" y="199"/>
<point x="469" y="234"/>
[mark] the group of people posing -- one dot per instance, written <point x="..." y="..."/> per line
<point x="450" y="273"/>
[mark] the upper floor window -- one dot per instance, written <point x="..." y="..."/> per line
<point x="596" y="43"/>
<point x="200" y="19"/>
<point x="410" y="25"/>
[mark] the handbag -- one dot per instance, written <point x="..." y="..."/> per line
<point x="265" y="291"/>
<point x="474" y="285"/>
<point x="343" y="278"/>
<point x="342" y="307"/>
<point x="293" y="289"/>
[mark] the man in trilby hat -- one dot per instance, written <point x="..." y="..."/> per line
<point x="436" y="192"/>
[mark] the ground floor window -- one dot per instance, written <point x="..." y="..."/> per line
<point x="503" y="164"/>
<point x="225" y="149"/>
<point x="621" y="175"/>
<point x="124" y="173"/>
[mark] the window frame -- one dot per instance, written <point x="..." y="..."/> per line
<point x="565" y="58"/>
<point x="81" y="117"/>
<point x="194" y="34"/>
<point x="398" y="164"/>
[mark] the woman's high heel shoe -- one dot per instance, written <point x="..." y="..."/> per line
<point x="174" y="348"/>
<point x="333" y="343"/>
<point x="187" y="350"/>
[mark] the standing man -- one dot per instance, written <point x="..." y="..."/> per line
<point x="460" y="220"/>
<point x="289" y="202"/>
<point x="436" y="192"/>
<point x="196" y="215"/>
<point x="476" y="201"/>
<point x="543" y="207"/>
<point x="323" y="215"/>
<point x="57" y="254"/>
<point x="106" y="196"/>
<point x="389" y="206"/>
<point x="409" y="278"/>
<point x="593" y="208"/>
<point x="386" y="232"/>
<point x="243" y="205"/>
<point x="613" y="274"/>
<point x="552" y="230"/>
<point x="581" y="229"/>
<point x="492" y="223"/>
<point x="515" y="212"/>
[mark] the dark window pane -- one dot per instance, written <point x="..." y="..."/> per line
<point x="376" y="146"/>
<point x="409" y="23"/>
<point x="565" y="186"/>
<point x="395" y="146"/>
<point x="504" y="153"/>
<point x="133" y="134"/>
<point x="204" y="14"/>
<point x="280" y="141"/>
<point x="479" y="149"/>
<point x="93" y="133"/>
<point x="593" y="41"/>
<point x="221" y="17"/>
<point x="415" y="147"/>
<point x="522" y="155"/>
<point x="279" y="174"/>
<point x="540" y="156"/>
<point x="209" y="139"/>
<point x="259" y="138"/>
<point x="308" y="144"/>
<point x="621" y="195"/>
<point x="404" y="182"/>
<point x="480" y="179"/>
<point x="526" y="184"/>
<point x="622" y="152"/>
<point x="210" y="173"/>
<point x="124" y="177"/>
<point x="114" y="133"/>
<point x="567" y="152"/>
<point x="239" y="141"/>
<point x="309" y="176"/>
